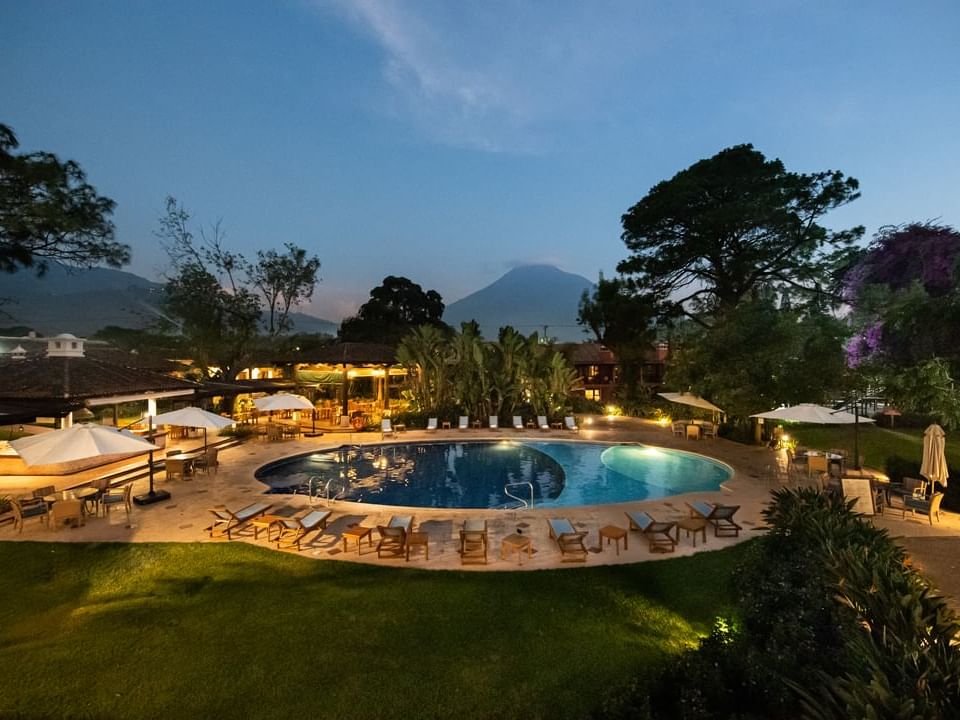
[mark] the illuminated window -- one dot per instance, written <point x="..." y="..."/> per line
<point x="592" y="394"/>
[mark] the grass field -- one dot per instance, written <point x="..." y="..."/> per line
<point x="232" y="630"/>
<point x="876" y="443"/>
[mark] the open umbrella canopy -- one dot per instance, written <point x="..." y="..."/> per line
<point x="79" y="442"/>
<point x="696" y="401"/>
<point x="282" y="401"/>
<point x="934" y="465"/>
<point x="811" y="413"/>
<point x="193" y="417"/>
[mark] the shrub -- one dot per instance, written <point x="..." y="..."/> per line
<point x="241" y="432"/>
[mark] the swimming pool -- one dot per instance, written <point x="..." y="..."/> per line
<point x="473" y="474"/>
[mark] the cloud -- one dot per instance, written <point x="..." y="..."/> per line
<point x="497" y="77"/>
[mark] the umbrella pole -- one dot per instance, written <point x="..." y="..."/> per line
<point x="856" y="435"/>
<point x="152" y="496"/>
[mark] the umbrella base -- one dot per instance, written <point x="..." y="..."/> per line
<point x="152" y="497"/>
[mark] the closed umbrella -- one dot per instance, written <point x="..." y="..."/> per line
<point x="193" y="417"/>
<point x="934" y="465"/>
<point x="79" y="442"/>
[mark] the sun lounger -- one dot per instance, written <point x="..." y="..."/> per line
<point x="386" y="428"/>
<point x="571" y="424"/>
<point x="474" y="541"/>
<point x="494" y="422"/>
<point x="226" y="521"/>
<point x="569" y="540"/>
<point x="658" y="534"/>
<point x="720" y="516"/>
<point x="542" y="422"/>
<point x="293" y="530"/>
<point x="432" y="424"/>
<point x="517" y="422"/>
<point x="463" y="423"/>
<point x="393" y="536"/>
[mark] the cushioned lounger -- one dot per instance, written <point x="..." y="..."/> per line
<point x="569" y="540"/>
<point x="293" y="530"/>
<point x="658" y="534"/>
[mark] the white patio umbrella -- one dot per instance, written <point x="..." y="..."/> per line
<point x="79" y="442"/>
<point x="684" y="398"/>
<point x="193" y="417"/>
<point x="282" y="401"/>
<point x="934" y="465"/>
<point x="811" y="413"/>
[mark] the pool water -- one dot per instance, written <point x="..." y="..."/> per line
<point x="473" y="474"/>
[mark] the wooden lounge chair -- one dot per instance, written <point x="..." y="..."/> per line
<point x="386" y="428"/>
<point x="929" y="507"/>
<point x="432" y="424"/>
<point x="570" y="424"/>
<point x="474" y="541"/>
<point x="720" y="516"/>
<point x="542" y="422"/>
<point x="569" y="540"/>
<point x="393" y="536"/>
<point x="517" y="422"/>
<point x="463" y="423"/>
<point x="292" y="530"/>
<point x="226" y="521"/>
<point x="658" y="534"/>
<point x="494" y="422"/>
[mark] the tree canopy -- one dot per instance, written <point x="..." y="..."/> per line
<point x="48" y="211"/>
<point x="212" y="292"/>
<point x="716" y="232"/>
<point x="395" y="307"/>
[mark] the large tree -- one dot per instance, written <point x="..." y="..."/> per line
<point x="904" y="291"/>
<point x="707" y="238"/>
<point x="623" y="321"/>
<point x="393" y="310"/>
<point x="48" y="212"/>
<point x="212" y="292"/>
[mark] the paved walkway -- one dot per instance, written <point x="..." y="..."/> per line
<point x="185" y="517"/>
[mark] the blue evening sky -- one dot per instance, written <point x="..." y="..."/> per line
<point x="449" y="141"/>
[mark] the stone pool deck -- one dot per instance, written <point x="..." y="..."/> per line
<point x="185" y="517"/>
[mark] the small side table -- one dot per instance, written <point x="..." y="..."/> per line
<point x="445" y="425"/>
<point x="418" y="539"/>
<point x="264" y="522"/>
<point x="518" y="544"/>
<point x="612" y="532"/>
<point x="692" y="525"/>
<point x="400" y="427"/>
<point x="357" y="533"/>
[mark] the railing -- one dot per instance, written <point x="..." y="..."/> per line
<point x="522" y="503"/>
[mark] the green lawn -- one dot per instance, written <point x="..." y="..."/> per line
<point x="232" y="630"/>
<point x="876" y="443"/>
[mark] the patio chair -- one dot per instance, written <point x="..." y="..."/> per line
<point x="817" y="464"/>
<point x="909" y="487"/>
<point x="929" y="507"/>
<point x="518" y="422"/>
<point x="209" y="460"/>
<point x="569" y="540"/>
<point x="657" y="533"/>
<point x="432" y="424"/>
<point x="542" y="422"/>
<point x="386" y="428"/>
<point x="570" y="424"/>
<point x="42" y="492"/>
<point x="24" y="508"/>
<point x="474" y="542"/>
<point x="463" y="423"/>
<point x="679" y="429"/>
<point x="393" y="536"/>
<point x="708" y="430"/>
<point x="226" y="521"/>
<point x="64" y="512"/>
<point x="117" y="496"/>
<point x="720" y="516"/>
<point x="293" y="530"/>
<point x="494" y="422"/>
